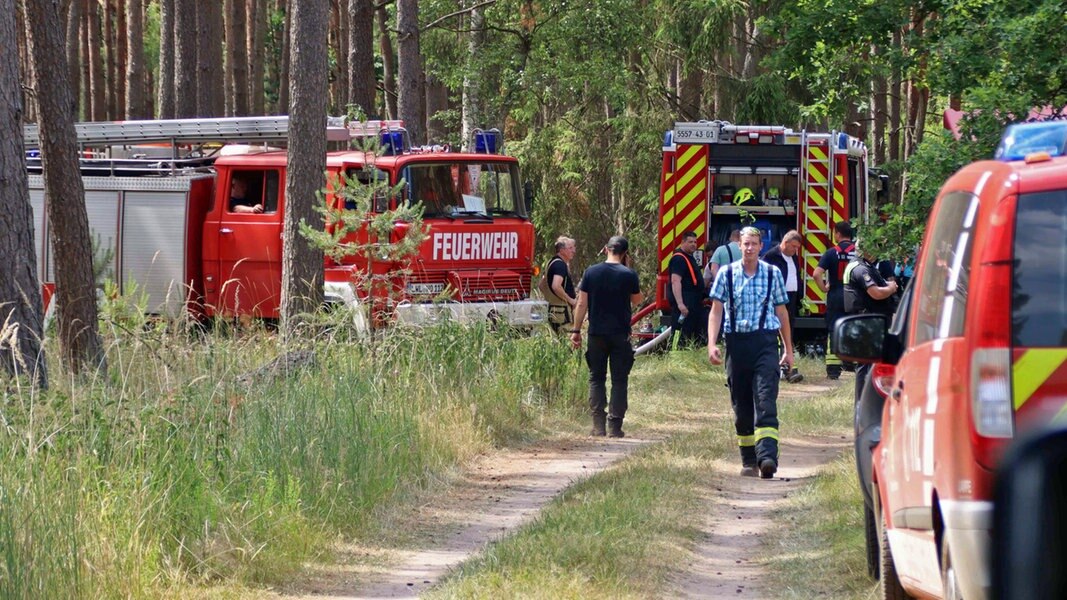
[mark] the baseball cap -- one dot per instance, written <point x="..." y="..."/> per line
<point x="618" y="244"/>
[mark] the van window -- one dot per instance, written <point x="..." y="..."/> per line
<point x="946" y="259"/>
<point x="1039" y="288"/>
<point x="378" y="183"/>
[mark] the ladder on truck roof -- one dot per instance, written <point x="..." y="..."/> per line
<point x="229" y="129"/>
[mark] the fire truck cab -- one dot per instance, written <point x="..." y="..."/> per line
<point x="717" y="176"/>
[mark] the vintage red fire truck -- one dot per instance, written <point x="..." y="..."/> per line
<point x="166" y="214"/>
<point x="787" y="180"/>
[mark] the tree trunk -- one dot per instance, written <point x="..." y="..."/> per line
<point x="209" y="81"/>
<point x="691" y="90"/>
<point x="894" y="106"/>
<point x="388" y="63"/>
<point x="411" y="100"/>
<point x="64" y="195"/>
<point x="185" y="46"/>
<point x="436" y="103"/>
<point x="301" y="263"/>
<point x="22" y="62"/>
<point x="74" y="56"/>
<point x="97" y="85"/>
<point x="284" y="81"/>
<point x="122" y="45"/>
<point x="110" y="59"/>
<point x="237" y="58"/>
<point x="879" y="104"/>
<point x="362" y="79"/>
<point x="166" y="59"/>
<point x="337" y="79"/>
<point x="136" y="105"/>
<point x="257" y="40"/>
<point x="472" y="98"/>
<point x="20" y="291"/>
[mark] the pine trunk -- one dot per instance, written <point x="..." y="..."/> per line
<point x="257" y="41"/>
<point x="237" y="58"/>
<point x="411" y="100"/>
<point x="136" y="105"/>
<point x="166" y="59"/>
<point x="97" y="83"/>
<point x="472" y="97"/>
<point x="362" y="80"/>
<point x="185" y="45"/>
<point x="301" y="263"/>
<point x="74" y="56"/>
<point x="209" y="80"/>
<point x="388" y="63"/>
<point x="20" y="292"/>
<point x="121" y="68"/>
<point x="64" y="196"/>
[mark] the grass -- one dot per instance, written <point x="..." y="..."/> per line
<point x="169" y="473"/>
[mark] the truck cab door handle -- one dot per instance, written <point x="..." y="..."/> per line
<point x="225" y="230"/>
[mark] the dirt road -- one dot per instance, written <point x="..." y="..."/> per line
<point x="503" y="491"/>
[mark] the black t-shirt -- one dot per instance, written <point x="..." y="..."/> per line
<point x="833" y="262"/>
<point x="857" y="300"/>
<point x="686" y="267"/>
<point x="609" y="286"/>
<point x="556" y="266"/>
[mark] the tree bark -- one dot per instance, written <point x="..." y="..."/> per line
<point x="237" y="58"/>
<point x="136" y="98"/>
<point x="75" y="296"/>
<point x="283" y="78"/>
<point x="185" y="46"/>
<point x="411" y="100"/>
<point x="472" y="97"/>
<point x="20" y="291"/>
<point x="894" y="106"/>
<point x="257" y="40"/>
<point x="166" y="59"/>
<point x="388" y="63"/>
<point x="107" y="52"/>
<point x="97" y="85"/>
<point x="305" y="172"/>
<point x="122" y="50"/>
<point x="362" y="79"/>
<point x="436" y="102"/>
<point x="74" y="56"/>
<point x="209" y="82"/>
<point x="880" y="110"/>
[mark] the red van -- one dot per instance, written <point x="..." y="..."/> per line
<point x="982" y="360"/>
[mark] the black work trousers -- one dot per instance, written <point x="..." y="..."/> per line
<point x="752" y="374"/>
<point x="694" y="329"/>
<point x="606" y="352"/>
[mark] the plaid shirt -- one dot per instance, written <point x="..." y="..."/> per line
<point x="749" y="293"/>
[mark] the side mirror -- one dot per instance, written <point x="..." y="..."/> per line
<point x="860" y="338"/>
<point x="528" y="195"/>
<point x="883" y="189"/>
<point x="1029" y="535"/>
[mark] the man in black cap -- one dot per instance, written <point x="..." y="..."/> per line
<point x="607" y="293"/>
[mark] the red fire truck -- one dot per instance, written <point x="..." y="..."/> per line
<point x="787" y="179"/>
<point x="157" y="195"/>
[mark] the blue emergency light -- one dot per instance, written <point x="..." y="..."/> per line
<point x="488" y="142"/>
<point x="392" y="141"/>
<point x="1022" y="139"/>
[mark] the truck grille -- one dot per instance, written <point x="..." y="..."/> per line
<point x="470" y="286"/>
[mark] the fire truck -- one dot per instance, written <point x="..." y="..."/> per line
<point x="157" y="194"/>
<point x="718" y="177"/>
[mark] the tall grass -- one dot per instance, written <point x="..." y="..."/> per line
<point x="170" y="470"/>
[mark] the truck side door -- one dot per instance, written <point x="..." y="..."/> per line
<point x="250" y="244"/>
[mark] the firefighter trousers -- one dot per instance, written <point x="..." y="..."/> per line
<point x="614" y="353"/>
<point x="752" y="374"/>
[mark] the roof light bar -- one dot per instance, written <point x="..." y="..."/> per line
<point x="1023" y="139"/>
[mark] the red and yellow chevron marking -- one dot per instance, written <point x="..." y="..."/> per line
<point x="1040" y="373"/>
<point x="684" y="199"/>
<point x="840" y="209"/>
<point x="814" y="223"/>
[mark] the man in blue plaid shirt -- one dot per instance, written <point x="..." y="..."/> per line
<point x="752" y="293"/>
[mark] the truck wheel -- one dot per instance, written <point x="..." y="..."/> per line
<point x="890" y="587"/>
<point x="949" y="583"/>
<point x="870" y="531"/>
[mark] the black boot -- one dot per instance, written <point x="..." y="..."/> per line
<point x="615" y="428"/>
<point x="599" y="420"/>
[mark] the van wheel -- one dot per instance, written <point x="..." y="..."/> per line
<point x="949" y="582"/>
<point x="870" y="531"/>
<point x="890" y="587"/>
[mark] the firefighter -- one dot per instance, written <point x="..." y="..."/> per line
<point x="689" y="320"/>
<point x="867" y="291"/>
<point x="833" y="263"/>
<point x="748" y="289"/>
<point x="786" y="257"/>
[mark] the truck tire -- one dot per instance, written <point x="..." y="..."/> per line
<point x="870" y="534"/>
<point x="890" y="587"/>
<point x="950" y="585"/>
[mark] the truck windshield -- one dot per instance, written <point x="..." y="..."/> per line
<point x="462" y="189"/>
